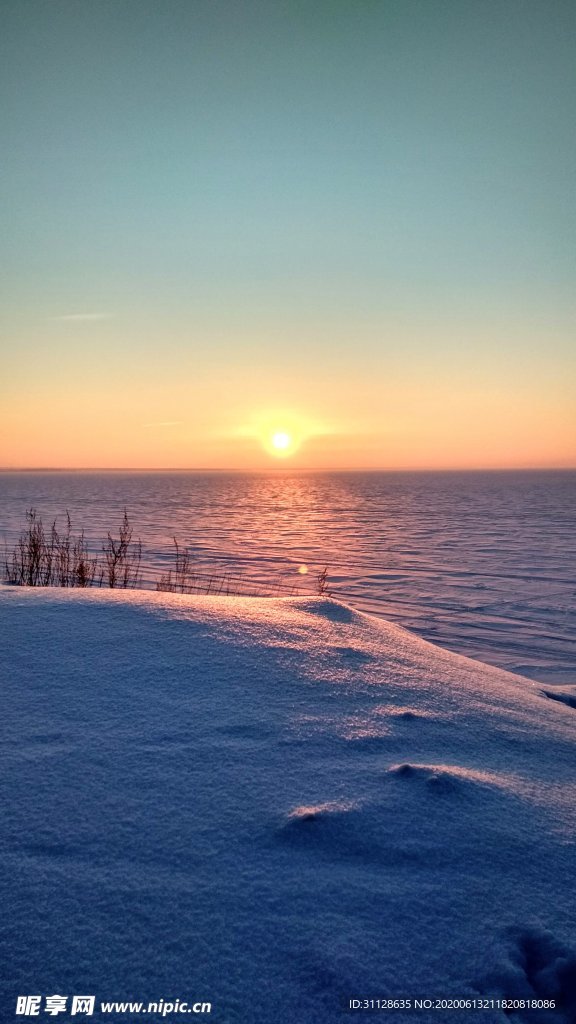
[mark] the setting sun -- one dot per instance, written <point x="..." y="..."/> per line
<point x="281" y="433"/>
<point x="281" y="443"/>
<point x="281" y="440"/>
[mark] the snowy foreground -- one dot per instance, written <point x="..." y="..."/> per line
<point x="275" y="805"/>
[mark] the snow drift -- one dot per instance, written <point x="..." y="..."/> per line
<point x="276" y="805"/>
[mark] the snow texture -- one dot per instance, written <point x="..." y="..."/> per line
<point x="275" y="804"/>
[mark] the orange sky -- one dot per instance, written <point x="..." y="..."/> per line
<point x="437" y="413"/>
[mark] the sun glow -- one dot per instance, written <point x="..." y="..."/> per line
<point x="281" y="440"/>
<point x="281" y="433"/>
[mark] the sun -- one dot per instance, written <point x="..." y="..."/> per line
<point x="281" y="440"/>
<point x="282" y="433"/>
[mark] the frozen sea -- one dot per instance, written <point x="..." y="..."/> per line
<point x="481" y="563"/>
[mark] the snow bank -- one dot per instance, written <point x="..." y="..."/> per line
<point x="275" y="804"/>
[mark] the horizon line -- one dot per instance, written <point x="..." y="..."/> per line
<point x="284" y="466"/>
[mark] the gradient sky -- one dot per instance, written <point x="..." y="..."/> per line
<point x="352" y="219"/>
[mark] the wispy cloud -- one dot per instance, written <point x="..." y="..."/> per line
<point x="83" y="316"/>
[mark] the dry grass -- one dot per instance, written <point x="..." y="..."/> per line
<point x="42" y="558"/>
<point x="54" y="558"/>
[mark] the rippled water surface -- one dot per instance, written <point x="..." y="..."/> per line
<point x="481" y="563"/>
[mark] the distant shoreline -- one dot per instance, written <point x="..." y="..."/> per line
<point x="280" y="470"/>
